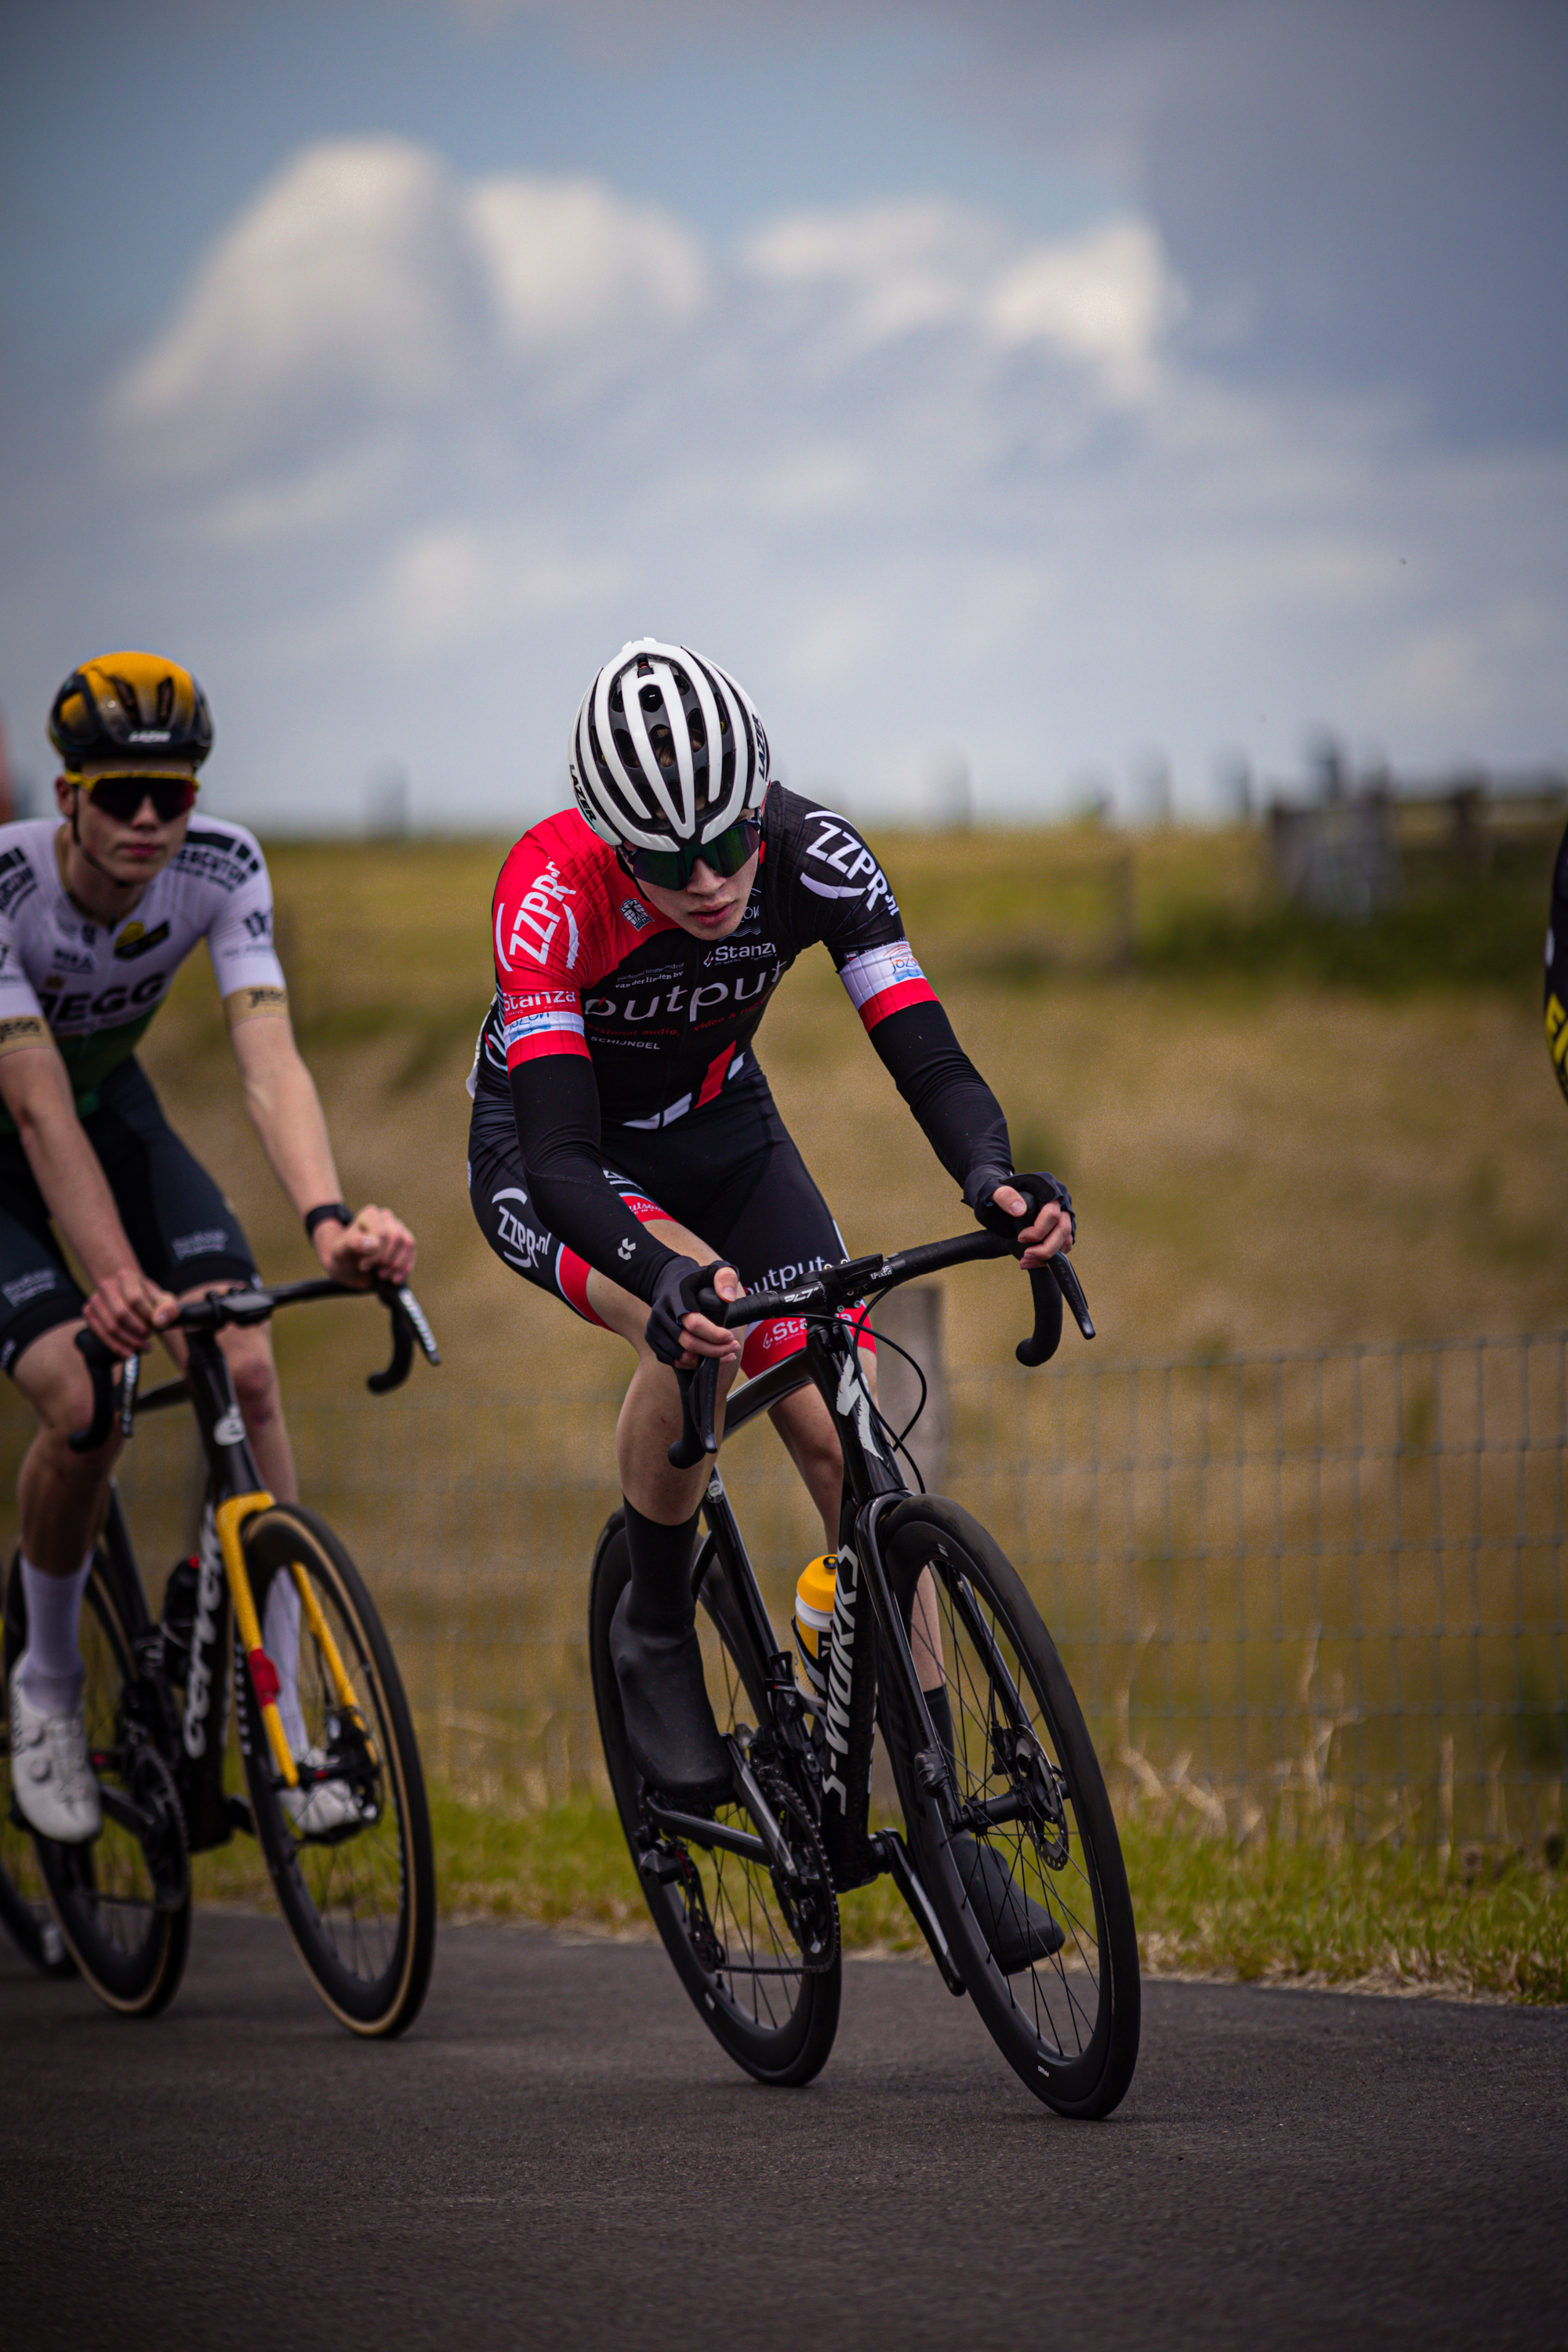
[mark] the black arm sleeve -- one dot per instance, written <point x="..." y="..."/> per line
<point x="555" y="1102"/>
<point x="961" y="1116"/>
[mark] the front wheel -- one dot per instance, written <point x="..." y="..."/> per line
<point x="1020" y="1851"/>
<point x="761" y="1966"/>
<point x="349" y="1850"/>
<point x="121" y="1902"/>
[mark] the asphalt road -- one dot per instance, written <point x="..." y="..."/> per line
<point x="559" y="2155"/>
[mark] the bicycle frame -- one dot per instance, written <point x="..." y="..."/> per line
<point x="869" y="1646"/>
<point x="226" y="1607"/>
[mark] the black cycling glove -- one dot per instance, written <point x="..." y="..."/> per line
<point x="675" y="1295"/>
<point x="1036" y="1186"/>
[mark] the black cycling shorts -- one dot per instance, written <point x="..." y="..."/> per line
<point x="728" y="1172"/>
<point x="183" y="1233"/>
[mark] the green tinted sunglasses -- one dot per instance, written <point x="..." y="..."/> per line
<point x="671" y="869"/>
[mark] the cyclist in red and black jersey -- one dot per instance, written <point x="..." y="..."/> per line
<point x="625" y="1146"/>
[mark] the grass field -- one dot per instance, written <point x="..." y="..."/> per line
<point x="1305" y="1913"/>
<point x="1278" y="1132"/>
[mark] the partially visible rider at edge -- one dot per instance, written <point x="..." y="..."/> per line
<point x="625" y="1149"/>
<point x="1557" y="967"/>
<point x="99" y="908"/>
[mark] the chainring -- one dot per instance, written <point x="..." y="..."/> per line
<point x="808" y="1897"/>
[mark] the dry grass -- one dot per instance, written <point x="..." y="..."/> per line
<point x="1255" y="1165"/>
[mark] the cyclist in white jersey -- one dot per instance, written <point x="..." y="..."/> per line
<point x="99" y="908"/>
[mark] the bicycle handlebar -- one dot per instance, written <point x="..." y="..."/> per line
<point x="245" y="1308"/>
<point x="822" y="1298"/>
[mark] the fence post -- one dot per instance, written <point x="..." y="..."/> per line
<point x="912" y="1317"/>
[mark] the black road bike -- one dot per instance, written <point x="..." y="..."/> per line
<point x="745" y="1897"/>
<point x="335" y="1789"/>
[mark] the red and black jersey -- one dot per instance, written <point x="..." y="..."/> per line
<point x="584" y="965"/>
<point x="608" y="1015"/>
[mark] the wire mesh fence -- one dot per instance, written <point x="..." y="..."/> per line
<point x="1318" y="1592"/>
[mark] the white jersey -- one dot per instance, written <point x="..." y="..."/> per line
<point x="97" y="985"/>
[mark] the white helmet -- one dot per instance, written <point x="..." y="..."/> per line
<point x="642" y="752"/>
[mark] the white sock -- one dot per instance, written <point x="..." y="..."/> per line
<point x="281" y="1639"/>
<point x="51" y="1669"/>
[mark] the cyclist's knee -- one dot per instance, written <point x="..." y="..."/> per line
<point x="255" y="1378"/>
<point x="805" y="1423"/>
<point x="56" y="1383"/>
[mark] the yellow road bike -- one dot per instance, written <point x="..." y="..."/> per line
<point x="334" y="1792"/>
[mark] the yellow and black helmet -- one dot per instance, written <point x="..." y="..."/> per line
<point x="132" y="711"/>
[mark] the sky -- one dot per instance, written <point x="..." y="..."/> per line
<point x="1057" y="396"/>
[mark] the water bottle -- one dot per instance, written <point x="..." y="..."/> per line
<point x="813" y="1619"/>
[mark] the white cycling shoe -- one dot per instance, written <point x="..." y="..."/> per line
<point x="324" y="1805"/>
<point x="51" y="1778"/>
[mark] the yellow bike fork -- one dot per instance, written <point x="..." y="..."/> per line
<point x="230" y="1517"/>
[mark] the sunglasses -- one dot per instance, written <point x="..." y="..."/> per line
<point x="121" y="797"/>
<point x="671" y="869"/>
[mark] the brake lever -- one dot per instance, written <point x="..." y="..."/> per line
<point x="1071" y="1289"/>
<point x="130" y="1374"/>
<point x="408" y="1323"/>
<point x="1046" y="1336"/>
<point x="100" y="1360"/>
<point x="699" y="1398"/>
<point x="1052" y="1283"/>
<point x="698" y="1394"/>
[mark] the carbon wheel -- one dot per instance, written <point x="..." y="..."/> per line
<point x="350" y="1854"/>
<point x="760" y="1960"/>
<point x="1027" y="1790"/>
<point x="121" y="1902"/>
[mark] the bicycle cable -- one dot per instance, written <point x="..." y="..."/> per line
<point x="895" y="1438"/>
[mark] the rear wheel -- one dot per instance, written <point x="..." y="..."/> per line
<point x="120" y="1903"/>
<point x="759" y="1959"/>
<point x="1030" y="1792"/>
<point x="350" y="1852"/>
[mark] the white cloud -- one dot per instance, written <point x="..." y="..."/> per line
<point x="1106" y="298"/>
<point x="348" y="285"/>
<point x="424" y="449"/>
<point x="569" y="262"/>
<point x="1103" y="298"/>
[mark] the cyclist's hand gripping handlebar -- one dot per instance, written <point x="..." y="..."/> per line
<point x="1051" y="1283"/>
<point x="677" y="1295"/>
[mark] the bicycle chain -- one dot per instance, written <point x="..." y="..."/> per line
<point x="804" y="1841"/>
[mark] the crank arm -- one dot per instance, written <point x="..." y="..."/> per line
<point x="761" y="1812"/>
<point x="135" y="1820"/>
